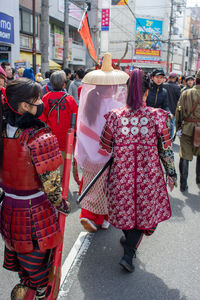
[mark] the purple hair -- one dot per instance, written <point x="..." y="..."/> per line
<point x="135" y="89"/>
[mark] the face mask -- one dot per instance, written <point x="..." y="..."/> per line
<point x="40" y="109"/>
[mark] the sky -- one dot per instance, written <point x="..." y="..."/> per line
<point x="193" y="3"/>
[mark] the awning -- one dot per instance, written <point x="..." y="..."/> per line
<point x="27" y="56"/>
<point x="54" y="65"/>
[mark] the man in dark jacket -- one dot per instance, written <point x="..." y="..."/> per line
<point x="173" y="91"/>
<point x="157" y="96"/>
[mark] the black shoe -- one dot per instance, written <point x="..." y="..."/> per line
<point x="198" y="180"/>
<point x="126" y="263"/>
<point x="183" y="188"/>
<point x="122" y="240"/>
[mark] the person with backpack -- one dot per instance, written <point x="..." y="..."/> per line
<point x="59" y="106"/>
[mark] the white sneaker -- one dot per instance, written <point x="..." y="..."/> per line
<point x="88" y="225"/>
<point x="105" y="225"/>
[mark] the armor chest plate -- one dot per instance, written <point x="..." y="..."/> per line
<point x="18" y="170"/>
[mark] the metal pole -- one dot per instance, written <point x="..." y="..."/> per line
<point x="34" y="43"/>
<point x="170" y="34"/>
<point x="44" y="36"/>
<point x="66" y="34"/>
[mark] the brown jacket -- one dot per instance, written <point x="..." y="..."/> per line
<point x="186" y="102"/>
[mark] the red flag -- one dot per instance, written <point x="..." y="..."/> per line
<point x="86" y="36"/>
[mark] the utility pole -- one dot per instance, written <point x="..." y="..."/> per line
<point x="34" y="43"/>
<point x="44" y="36"/>
<point x="170" y="34"/>
<point x="66" y="34"/>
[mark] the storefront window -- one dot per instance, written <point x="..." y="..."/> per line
<point x="26" y="22"/>
<point x="73" y="33"/>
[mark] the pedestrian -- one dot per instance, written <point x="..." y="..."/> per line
<point x="58" y="108"/>
<point x="157" y="96"/>
<point x="187" y="117"/>
<point x="73" y="88"/>
<point x="189" y="83"/>
<point x="20" y="72"/>
<point x="47" y="87"/>
<point x="31" y="181"/>
<point x="101" y="92"/>
<point x="7" y="68"/>
<point x="183" y="82"/>
<point x="173" y="91"/>
<point x="38" y="78"/>
<point x="138" y="137"/>
<point x="28" y="73"/>
<point x="68" y="75"/>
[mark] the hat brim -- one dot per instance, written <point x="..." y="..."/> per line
<point x="157" y="74"/>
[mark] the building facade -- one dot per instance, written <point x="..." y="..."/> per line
<point x="192" y="40"/>
<point x="144" y="26"/>
<point x="26" y="32"/>
<point x="77" y="51"/>
<point x="9" y="31"/>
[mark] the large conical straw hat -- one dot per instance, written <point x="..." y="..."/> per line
<point x="107" y="75"/>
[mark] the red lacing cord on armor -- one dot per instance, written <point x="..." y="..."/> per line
<point x="6" y="101"/>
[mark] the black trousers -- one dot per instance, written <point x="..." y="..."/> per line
<point x="133" y="238"/>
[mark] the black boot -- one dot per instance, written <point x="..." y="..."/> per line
<point x="198" y="170"/>
<point x="129" y="243"/>
<point x="183" y="168"/>
<point x="127" y="260"/>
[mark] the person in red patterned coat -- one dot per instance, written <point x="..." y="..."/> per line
<point x="137" y="194"/>
<point x="30" y="178"/>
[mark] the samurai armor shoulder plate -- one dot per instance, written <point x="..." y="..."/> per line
<point x="45" y="150"/>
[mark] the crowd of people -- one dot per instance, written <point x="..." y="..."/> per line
<point x="134" y="121"/>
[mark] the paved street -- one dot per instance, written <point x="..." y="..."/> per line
<point x="167" y="264"/>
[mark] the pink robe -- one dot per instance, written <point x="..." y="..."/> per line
<point x="137" y="193"/>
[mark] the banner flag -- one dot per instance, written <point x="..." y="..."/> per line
<point x="84" y="32"/>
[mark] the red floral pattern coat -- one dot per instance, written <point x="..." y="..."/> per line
<point x="137" y="193"/>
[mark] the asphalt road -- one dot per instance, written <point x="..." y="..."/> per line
<point x="167" y="263"/>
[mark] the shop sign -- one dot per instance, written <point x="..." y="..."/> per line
<point x="59" y="44"/>
<point x="20" y="64"/>
<point x="148" y="37"/>
<point x="5" y="48"/>
<point x="70" y="49"/>
<point x="6" y="28"/>
<point x="105" y="19"/>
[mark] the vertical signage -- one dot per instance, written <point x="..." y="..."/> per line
<point x="105" y="19"/>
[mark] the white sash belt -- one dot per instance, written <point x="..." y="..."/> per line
<point x="24" y="197"/>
